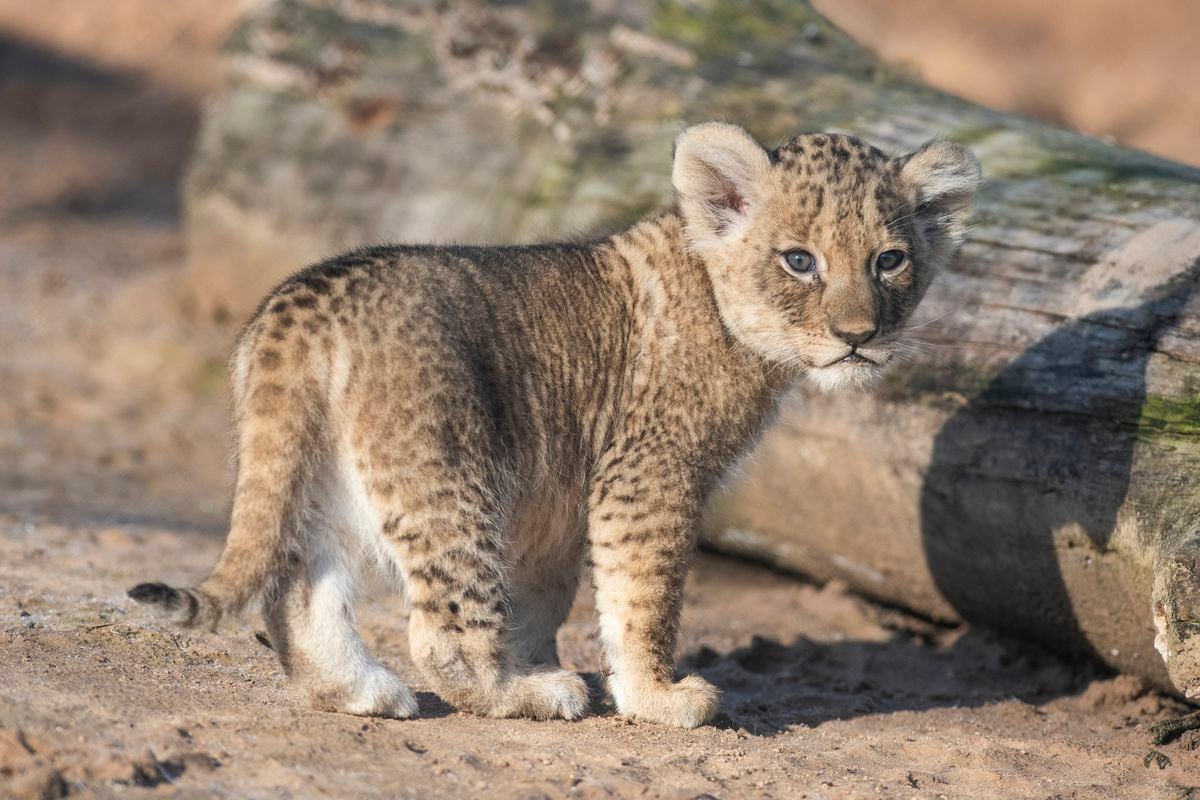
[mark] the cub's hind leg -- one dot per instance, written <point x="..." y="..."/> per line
<point x="426" y="439"/>
<point x="310" y="620"/>
<point x="448" y="539"/>
<point x="542" y="594"/>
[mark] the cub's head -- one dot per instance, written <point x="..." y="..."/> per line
<point x="820" y="250"/>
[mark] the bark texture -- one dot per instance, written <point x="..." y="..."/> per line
<point x="1036" y="470"/>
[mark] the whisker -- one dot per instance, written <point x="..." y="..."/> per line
<point x="918" y="341"/>
<point x="920" y="325"/>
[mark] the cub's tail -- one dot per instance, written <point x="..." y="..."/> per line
<point x="185" y="607"/>
<point x="278" y="410"/>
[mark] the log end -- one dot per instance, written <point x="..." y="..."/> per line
<point x="1176" y="598"/>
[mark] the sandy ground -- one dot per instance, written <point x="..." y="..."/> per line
<point x="112" y="470"/>
<point x="826" y="696"/>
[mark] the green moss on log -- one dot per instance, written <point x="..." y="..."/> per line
<point x="723" y="28"/>
<point x="757" y="34"/>
<point x="1052" y="156"/>
<point x="976" y="134"/>
<point x="1170" y="416"/>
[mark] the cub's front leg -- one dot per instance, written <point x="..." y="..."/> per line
<point x="642" y="529"/>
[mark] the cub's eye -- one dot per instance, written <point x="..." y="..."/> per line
<point x="890" y="260"/>
<point x="799" y="262"/>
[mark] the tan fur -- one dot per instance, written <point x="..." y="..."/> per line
<point x="479" y="422"/>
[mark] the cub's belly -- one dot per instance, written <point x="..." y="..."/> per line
<point x="549" y="523"/>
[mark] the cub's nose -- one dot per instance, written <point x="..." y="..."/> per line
<point x="855" y="335"/>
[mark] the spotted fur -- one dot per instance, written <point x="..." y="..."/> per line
<point x="480" y="423"/>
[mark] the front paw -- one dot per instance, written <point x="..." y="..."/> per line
<point x="689" y="703"/>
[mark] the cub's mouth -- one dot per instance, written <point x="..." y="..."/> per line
<point x="853" y="358"/>
<point x="853" y="370"/>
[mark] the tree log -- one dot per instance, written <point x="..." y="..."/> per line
<point x="1035" y="469"/>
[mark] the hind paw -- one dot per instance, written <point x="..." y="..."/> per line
<point x="378" y="694"/>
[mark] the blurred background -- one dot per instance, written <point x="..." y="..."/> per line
<point x="1112" y="68"/>
<point x="113" y="420"/>
<point x="109" y="388"/>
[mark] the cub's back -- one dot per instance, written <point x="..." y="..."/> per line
<point x="519" y="337"/>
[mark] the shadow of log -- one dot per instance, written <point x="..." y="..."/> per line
<point x="1038" y="463"/>
<point x="769" y="686"/>
<point x="139" y="134"/>
<point x="22" y="61"/>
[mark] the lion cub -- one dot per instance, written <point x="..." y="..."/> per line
<point x="478" y="422"/>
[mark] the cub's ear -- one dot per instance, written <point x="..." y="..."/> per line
<point x="718" y="176"/>
<point x="943" y="177"/>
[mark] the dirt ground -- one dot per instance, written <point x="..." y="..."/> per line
<point x="113" y="470"/>
<point x="826" y="696"/>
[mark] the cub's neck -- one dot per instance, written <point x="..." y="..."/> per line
<point x="676" y="323"/>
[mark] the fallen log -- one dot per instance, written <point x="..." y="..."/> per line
<point x="1035" y="469"/>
